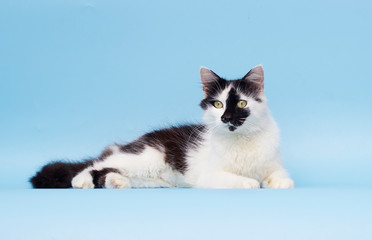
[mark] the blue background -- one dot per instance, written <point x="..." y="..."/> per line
<point x="78" y="75"/>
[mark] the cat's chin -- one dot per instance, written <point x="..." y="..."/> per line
<point x="238" y="130"/>
<point x="232" y="128"/>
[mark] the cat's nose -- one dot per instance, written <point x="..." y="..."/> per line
<point x="226" y="118"/>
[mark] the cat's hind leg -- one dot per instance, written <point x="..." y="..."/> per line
<point x="116" y="180"/>
<point x="83" y="180"/>
<point x="104" y="178"/>
<point x="129" y="170"/>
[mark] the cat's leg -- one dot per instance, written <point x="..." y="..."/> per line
<point x="223" y="179"/>
<point x="83" y="180"/>
<point x="103" y="178"/>
<point x="116" y="180"/>
<point x="145" y="169"/>
<point x="278" y="179"/>
<point x="109" y="178"/>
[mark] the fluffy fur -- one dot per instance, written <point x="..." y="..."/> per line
<point x="236" y="147"/>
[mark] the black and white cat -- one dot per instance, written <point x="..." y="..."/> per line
<point x="236" y="147"/>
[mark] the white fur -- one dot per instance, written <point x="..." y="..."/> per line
<point x="248" y="157"/>
<point x="83" y="180"/>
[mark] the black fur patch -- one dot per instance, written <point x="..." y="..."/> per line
<point x="206" y="102"/>
<point x="58" y="174"/>
<point x="212" y="91"/>
<point x="215" y="87"/>
<point x="135" y="147"/>
<point x="99" y="176"/>
<point x="233" y="114"/>
<point x="175" y="142"/>
<point x="107" y="152"/>
<point x="248" y="88"/>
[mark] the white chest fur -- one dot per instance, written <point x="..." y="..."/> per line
<point x="247" y="156"/>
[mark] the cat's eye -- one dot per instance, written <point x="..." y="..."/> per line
<point x="217" y="104"/>
<point x="242" y="104"/>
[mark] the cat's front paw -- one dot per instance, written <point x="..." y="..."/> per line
<point x="279" y="183"/>
<point x="248" y="183"/>
<point x="82" y="180"/>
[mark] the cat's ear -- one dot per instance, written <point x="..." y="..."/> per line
<point x="256" y="75"/>
<point x="208" y="78"/>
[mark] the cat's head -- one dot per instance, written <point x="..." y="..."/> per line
<point x="235" y="106"/>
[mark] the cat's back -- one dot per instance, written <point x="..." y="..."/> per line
<point x="181" y="135"/>
<point x="176" y="142"/>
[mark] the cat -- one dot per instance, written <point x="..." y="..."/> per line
<point x="237" y="146"/>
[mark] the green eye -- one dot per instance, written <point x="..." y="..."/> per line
<point x="242" y="104"/>
<point x="218" y="104"/>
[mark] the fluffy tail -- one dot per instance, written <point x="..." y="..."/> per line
<point x="58" y="174"/>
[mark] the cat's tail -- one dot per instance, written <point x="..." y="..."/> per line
<point x="58" y="174"/>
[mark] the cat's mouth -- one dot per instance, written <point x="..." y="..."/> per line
<point x="232" y="127"/>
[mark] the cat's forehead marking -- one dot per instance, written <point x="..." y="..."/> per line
<point x="233" y="94"/>
<point x="225" y="93"/>
<point x="232" y="99"/>
<point x="232" y="91"/>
